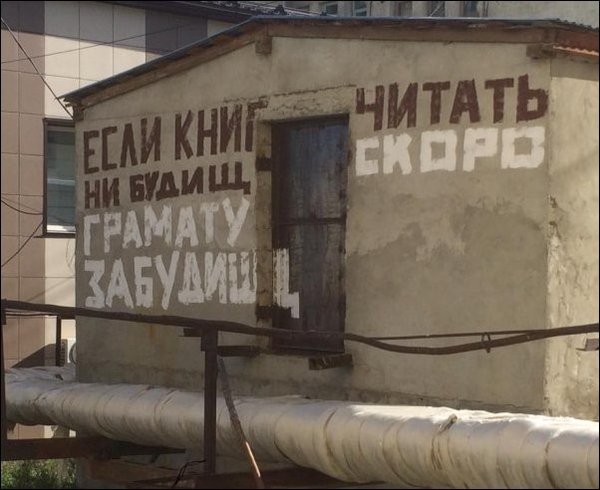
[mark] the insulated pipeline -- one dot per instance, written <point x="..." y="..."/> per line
<point x="404" y="445"/>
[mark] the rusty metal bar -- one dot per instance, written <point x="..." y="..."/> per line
<point x="590" y="345"/>
<point x="75" y="447"/>
<point x="228" y="350"/>
<point x="58" y="340"/>
<point x="238" y="350"/>
<point x="209" y="346"/>
<point x="233" y="327"/>
<point x="237" y="425"/>
<point x="453" y="335"/>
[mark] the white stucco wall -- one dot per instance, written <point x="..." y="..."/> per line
<point x="438" y="246"/>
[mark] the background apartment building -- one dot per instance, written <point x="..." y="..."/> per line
<point x="71" y="44"/>
<point x="581" y="12"/>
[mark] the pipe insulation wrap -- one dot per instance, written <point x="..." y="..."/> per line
<point x="403" y="445"/>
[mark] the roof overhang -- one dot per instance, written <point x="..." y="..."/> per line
<point x="259" y="30"/>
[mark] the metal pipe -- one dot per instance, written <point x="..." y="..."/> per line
<point x="237" y="425"/>
<point x="224" y="326"/>
<point x="409" y="446"/>
<point x="209" y="346"/>
<point x="58" y="340"/>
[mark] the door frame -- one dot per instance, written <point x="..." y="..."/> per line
<point x="278" y="161"/>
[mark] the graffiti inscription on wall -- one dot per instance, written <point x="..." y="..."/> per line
<point x="453" y="149"/>
<point x="153" y="204"/>
<point x="200" y="136"/>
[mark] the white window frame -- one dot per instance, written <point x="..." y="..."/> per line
<point x="323" y="7"/>
<point x="358" y="12"/>
<point x="54" y="229"/>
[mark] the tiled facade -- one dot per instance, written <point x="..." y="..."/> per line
<point x="23" y="111"/>
<point x="72" y="44"/>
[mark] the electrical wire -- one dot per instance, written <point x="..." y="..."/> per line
<point x="181" y="472"/>
<point x="182" y="26"/>
<point x="35" y="212"/>
<point x="20" y="210"/>
<point x="35" y="67"/>
<point x="437" y="8"/>
<point x="261" y="4"/>
<point x="19" y="204"/>
<point x="129" y="38"/>
<point x="24" y="243"/>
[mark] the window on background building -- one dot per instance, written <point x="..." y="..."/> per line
<point x="359" y="9"/>
<point x="330" y="8"/>
<point x="437" y="9"/>
<point x="59" y="192"/>
<point x="298" y="5"/>
<point x="404" y="9"/>
<point x="470" y="9"/>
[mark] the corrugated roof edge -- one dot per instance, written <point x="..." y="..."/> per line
<point x="254" y="22"/>
<point x="219" y="10"/>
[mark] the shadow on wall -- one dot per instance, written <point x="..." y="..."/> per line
<point x="38" y="358"/>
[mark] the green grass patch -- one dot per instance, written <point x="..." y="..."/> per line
<point x="50" y="473"/>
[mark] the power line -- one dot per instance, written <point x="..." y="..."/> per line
<point x="23" y="246"/>
<point x="20" y="210"/>
<point x="182" y="26"/>
<point x="34" y="212"/>
<point x="437" y="8"/>
<point x="262" y="4"/>
<point x="23" y="205"/>
<point x="19" y="204"/>
<point x="35" y="67"/>
<point x="182" y="470"/>
<point x="106" y="43"/>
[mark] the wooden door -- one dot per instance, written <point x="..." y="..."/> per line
<point x="309" y="221"/>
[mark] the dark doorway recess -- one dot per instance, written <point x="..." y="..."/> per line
<point x="309" y="221"/>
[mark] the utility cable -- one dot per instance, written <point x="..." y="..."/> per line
<point x="260" y="4"/>
<point x="20" y="210"/>
<point x="105" y="43"/>
<point x="23" y="246"/>
<point x="35" y="67"/>
<point x="19" y="204"/>
<point x="129" y="38"/>
<point x="34" y="212"/>
<point x="182" y="470"/>
<point x="437" y="8"/>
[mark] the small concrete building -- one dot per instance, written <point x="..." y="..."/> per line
<point x="380" y="177"/>
<point x="70" y="44"/>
